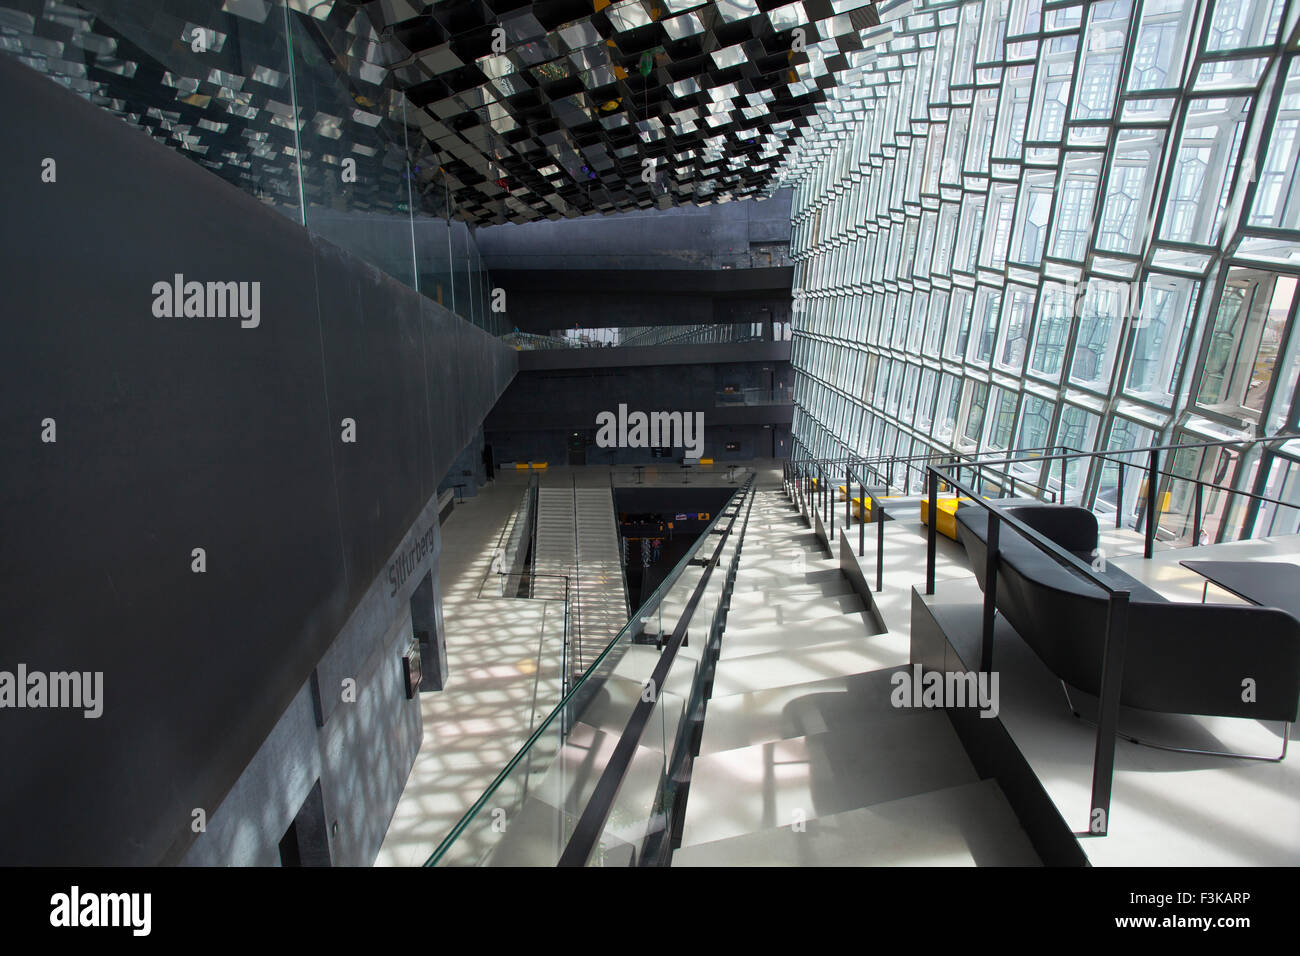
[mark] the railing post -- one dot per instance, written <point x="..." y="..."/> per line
<point x="1196" y="521"/>
<point x="862" y="516"/>
<point x="848" y="500"/>
<point x="1119" y="497"/>
<point x="830" y="507"/>
<point x="990" y="590"/>
<point x="1153" y="475"/>
<point x="1112" y="682"/>
<point x="930" y="540"/>
<point x="880" y="548"/>
<point x="1062" y="478"/>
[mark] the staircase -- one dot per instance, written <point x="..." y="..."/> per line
<point x="602" y="597"/>
<point x="577" y="541"/>
<point x="803" y="760"/>
<point x="553" y="548"/>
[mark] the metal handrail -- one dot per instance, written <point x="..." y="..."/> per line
<point x="909" y="461"/>
<point x="1113" y="648"/>
<point x="570" y="698"/>
<point x="1115" y="644"/>
<point x="591" y="823"/>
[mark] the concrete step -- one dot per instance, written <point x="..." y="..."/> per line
<point x="795" y="710"/>
<point x="842" y="627"/>
<point x="782" y="542"/>
<point x="837" y="658"/>
<point x="826" y="580"/>
<point x="748" y="612"/>
<point x="802" y="636"/>
<point x="967" y="825"/>
<point x="829" y="588"/>
<point x="779" y="783"/>
<point x="788" y="563"/>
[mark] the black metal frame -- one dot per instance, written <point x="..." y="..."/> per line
<point x="1115" y="643"/>
<point x="591" y="823"/>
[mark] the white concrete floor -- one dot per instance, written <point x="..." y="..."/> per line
<point x="496" y="692"/>
<point x="1167" y="809"/>
<point x="503" y="659"/>
<point x="804" y="760"/>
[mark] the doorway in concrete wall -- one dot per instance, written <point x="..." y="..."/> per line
<point x="577" y="448"/>
<point x="306" y="842"/>
<point x="424" y="626"/>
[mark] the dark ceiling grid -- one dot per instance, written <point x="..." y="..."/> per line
<point x="586" y="91"/>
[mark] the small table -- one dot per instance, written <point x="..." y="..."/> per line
<point x="638" y="472"/>
<point x="1266" y="583"/>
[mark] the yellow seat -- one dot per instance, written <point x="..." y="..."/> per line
<point x="538" y="465"/>
<point x="947" y="508"/>
<point x="706" y="461"/>
<point x="1142" y="497"/>
<point x="521" y="466"/>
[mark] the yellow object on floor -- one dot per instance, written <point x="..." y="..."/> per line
<point x="1142" y="497"/>
<point x="947" y="508"/>
<point x="538" y="465"/>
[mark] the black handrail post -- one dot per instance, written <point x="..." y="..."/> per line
<point x="990" y="591"/>
<point x="930" y="541"/>
<point x="862" y="515"/>
<point x="1112" y="681"/>
<point x="830" y="507"/>
<point x="880" y="549"/>
<point x="1196" y="521"/>
<point x="848" y="500"/>
<point x="1062" y="479"/>
<point x="1119" y="497"/>
<point x="1153" y="475"/>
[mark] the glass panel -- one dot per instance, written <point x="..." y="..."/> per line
<point x="1052" y="330"/>
<point x="1202" y="170"/>
<point x="1242" y="347"/>
<point x="1104" y="308"/>
<point x="1167" y="307"/>
<point x="1161" y="44"/>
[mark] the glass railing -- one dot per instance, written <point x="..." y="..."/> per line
<point x="717" y="333"/>
<point x="594" y="783"/>
<point x="509" y="565"/>
<point x="290" y="102"/>
<point x="754" y="396"/>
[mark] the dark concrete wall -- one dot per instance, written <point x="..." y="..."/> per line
<point x="680" y="266"/>
<point x="540" y="408"/>
<point x="176" y="434"/>
<point x="775" y="354"/>
<point x="543" y="301"/>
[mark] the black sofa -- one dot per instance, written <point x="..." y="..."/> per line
<point x="1182" y="658"/>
